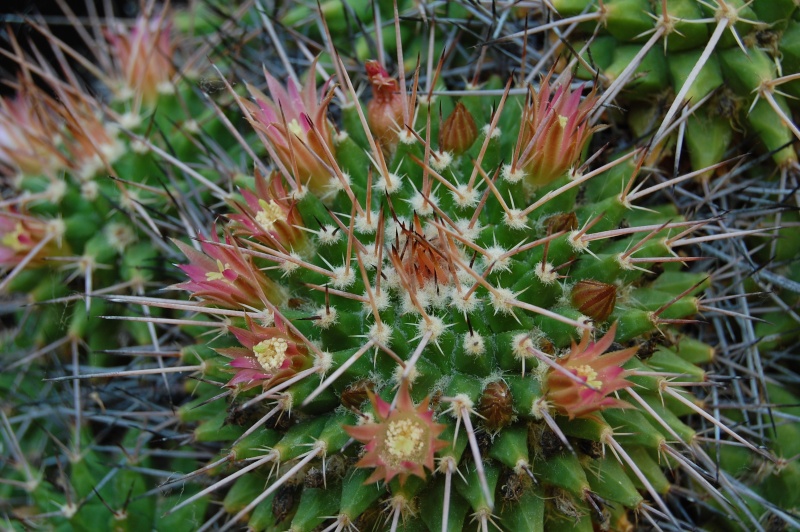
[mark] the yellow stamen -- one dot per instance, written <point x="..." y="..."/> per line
<point x="218" y="275"/>
<point x="295" y="128"/>
<point x="404" y="440"/>
<point x="588" y="373"/>
<point x="271" y="353"/>
<point x="11" y="240"/>
<point x="269" y="214"/>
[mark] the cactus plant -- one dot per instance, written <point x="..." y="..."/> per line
<point x="442" y="307"/>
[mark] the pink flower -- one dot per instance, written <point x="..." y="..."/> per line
<point x="27" y="134"/>
<point x="226" y="277"/>
<point x="601" y="375"/>
<point x="270" y="354"/>
<point x="554" y="129"/>
<point x="295" y="123"/>
<point x="269" y="216"/>
<point x="402" y="442"/>
<point x="385" y="109"/>
<point x="20" y="234"/>
<point x="143" y="56"/>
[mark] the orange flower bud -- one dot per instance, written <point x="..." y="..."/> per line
<point x="458" y="132"/>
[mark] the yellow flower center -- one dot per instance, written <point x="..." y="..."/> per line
<point x="404" y="440"/>
<point x="271" y="353"/>
<point x="590" y="375"/>
<point x="11" y="240"/>
<point x="269" y="214"/>
<point x="220" y="274"/>
<point x="295" y="128"/>
<point x="562" y="120"/>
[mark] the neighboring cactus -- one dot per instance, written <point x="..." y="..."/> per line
<point x="432" y="311"/>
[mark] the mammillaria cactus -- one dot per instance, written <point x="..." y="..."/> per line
<point x="428" y="309"/>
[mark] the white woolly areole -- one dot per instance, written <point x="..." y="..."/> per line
<point x="394" y="226"/>
<point x="165" y="87"/>
<point x="119" y="235"/>
<point x="584" y="320"/>
<point x="458" y="402"/>
<point x="299" y="193"/>
<point x="339" y="137"/>
<point x="342" y="278"/>
<point x="394" y="184"/>
<point x="521" y="345"/>
<point x="545" y="272"/>
<point x="370" y="256"/>
<point x="440" y="160"/>
<point x="512" y="175"/>
<point x="422" y="205"/>
<point x="380" y="333"/>
<point x="323" y="363"/>
<point x="515" y="219"/>
<point x="391" y="279"/>
<point x="474" y="344"/>
<point x="406" y="137"/>
<point x="407" y="305"/>
<point x="336" y="185"/>
<point x="130" y="120"/>
<point x="381" y="300"/>
<point x="365" y="226"/>
<point x="140" y="146"/>
<point x="289" y="266"/>
<point x="328" y="235"/>
<point x="539" y="407"/>
<point x="467" y="232"/>
<point x="438" y="297"/>
<point x="494" y="256"/>
<point x="55" y="191"/>
<point x="465" y="306"/>
<point x="191" y="126"/>
<point x="577" y="242"/>
<point x="495" y="133"/>
<point x="327" y="317"/>
<point x="625" y="262"/>
<point x="500" y="299"/>
<point x="433" y="325"/>
<point x="397" y="374"/>
<point x="465" y="197"/>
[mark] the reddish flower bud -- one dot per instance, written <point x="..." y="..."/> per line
<point x="295" y="124"/>
<point x="561" y="222"/>
<point x="143" y="56"/>
<point x="385" y="109"/>
<point x="458" y="132"/>
<point x="595" y="299"/>
<point x="553" y="132"/>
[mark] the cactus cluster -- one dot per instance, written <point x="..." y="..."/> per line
<point x="403" y="301"/>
